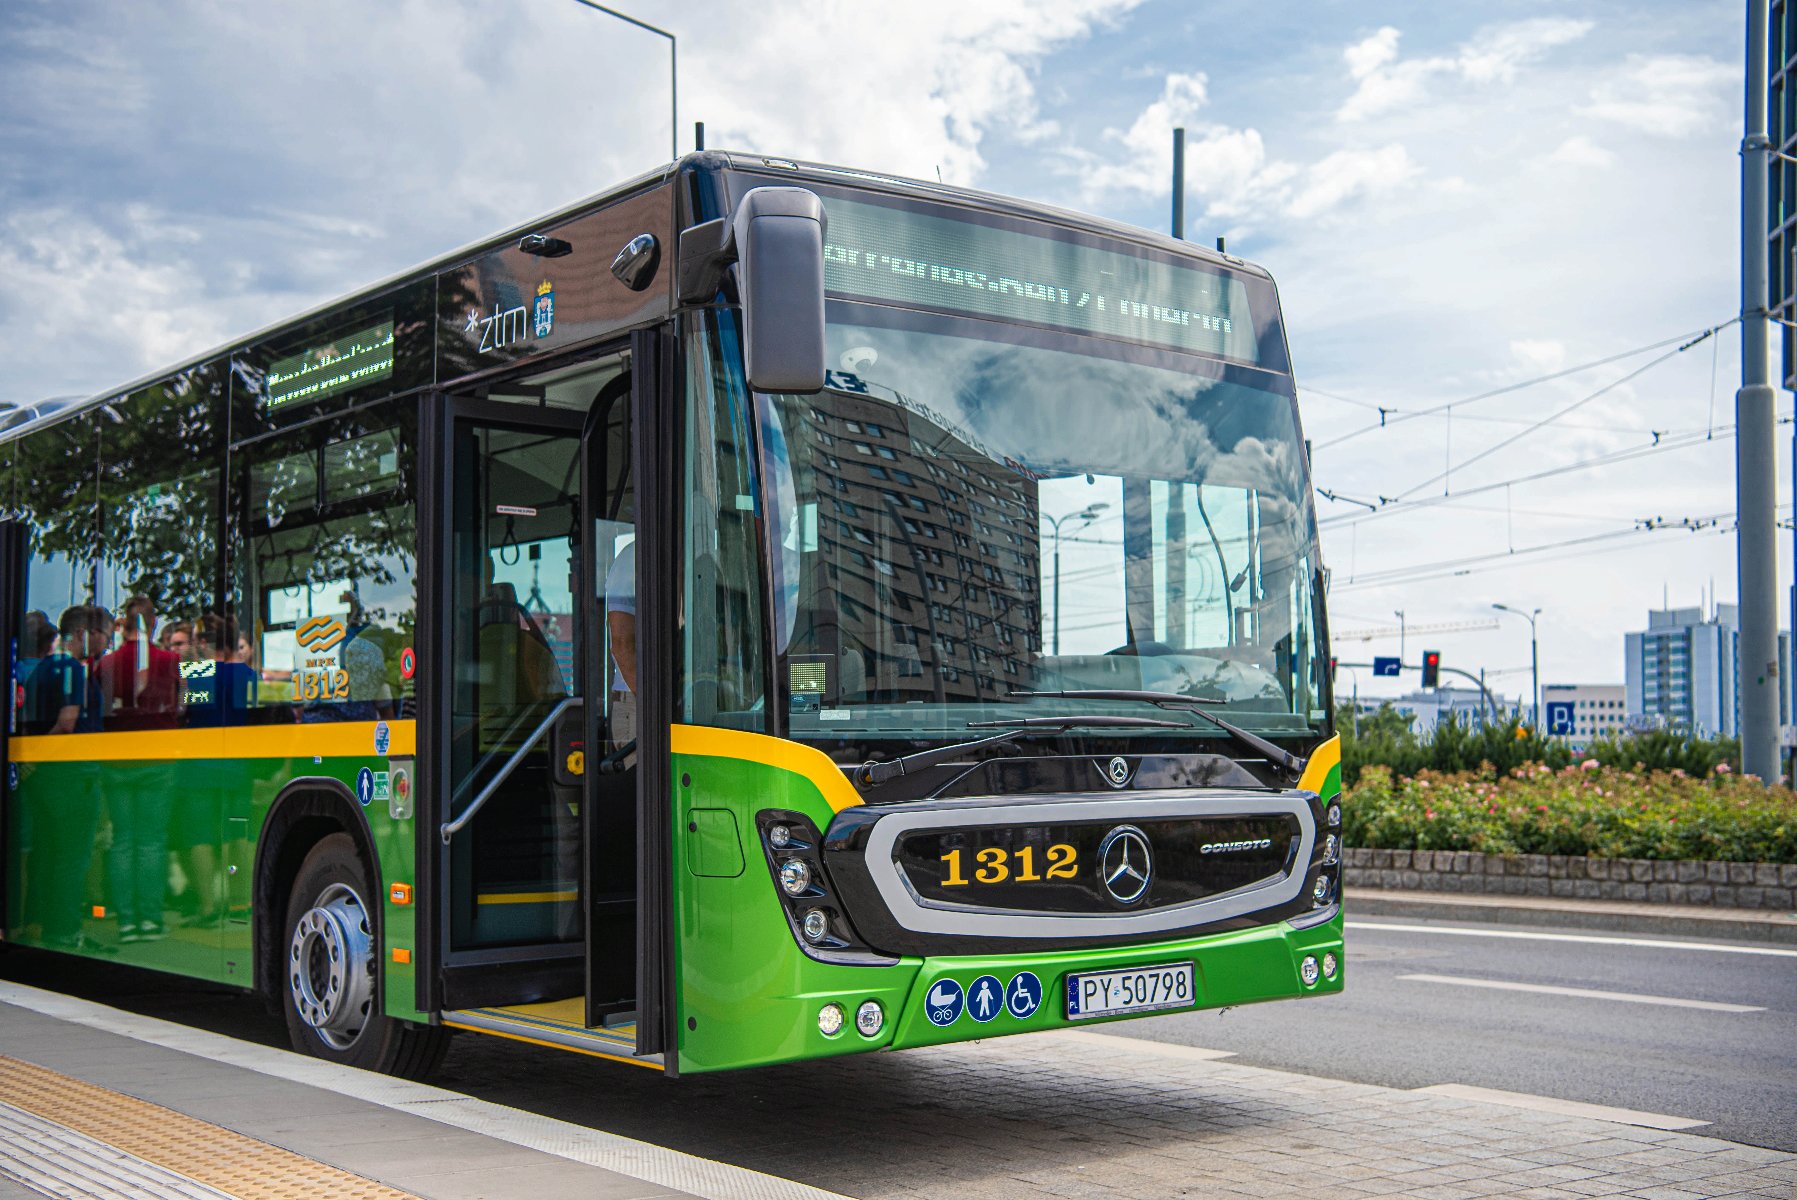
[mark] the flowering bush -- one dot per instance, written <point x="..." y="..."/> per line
<point x="1585" y="808"/>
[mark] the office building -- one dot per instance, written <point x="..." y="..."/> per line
<point x="1578" y="713"/>
<point x="1683" y="671"/>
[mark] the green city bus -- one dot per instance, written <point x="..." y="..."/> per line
<point x="764" y="612"/>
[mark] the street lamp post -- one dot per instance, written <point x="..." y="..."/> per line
<point x="1086" y="515"/>
<point x="1399" y="614"/>
<point x="1534" y="661"/>
<point x="673" y="70"/>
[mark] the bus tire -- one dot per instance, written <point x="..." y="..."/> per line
<point x="330" y="971"/>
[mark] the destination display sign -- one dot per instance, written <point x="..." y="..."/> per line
<point x="874" y="252"/>
<point x="330" y="367"/>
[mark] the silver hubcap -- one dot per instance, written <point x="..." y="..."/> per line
<point x="330" y="966"/>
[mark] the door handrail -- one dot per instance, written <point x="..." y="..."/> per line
<point x="451" y="828"/>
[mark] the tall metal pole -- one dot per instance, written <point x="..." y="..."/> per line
<point x="1755" y="465"/>
<point x="1534" y="677"/>
<point x="1179" y="183"/>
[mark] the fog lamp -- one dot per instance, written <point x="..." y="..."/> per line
<point x="779" y="837"/>
<point x="1329" y="848"/>
<point x="870" y="1018"/>
<point x="815" y="925"/>
<point x="1329" y="965"/>
<point x="795" y="876"/>
<point x="1307" y="970"/>
<point x="829" y="1020"/>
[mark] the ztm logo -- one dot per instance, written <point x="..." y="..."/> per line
<point x="320" y="634"/>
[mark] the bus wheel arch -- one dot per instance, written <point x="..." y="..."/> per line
<point x="305" y="813"/>
<point x="319" y="940"/>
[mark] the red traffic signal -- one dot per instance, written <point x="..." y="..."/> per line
<point x="1431" y="668"/>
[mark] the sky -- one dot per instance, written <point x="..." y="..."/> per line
<point x="1456" y="200"/>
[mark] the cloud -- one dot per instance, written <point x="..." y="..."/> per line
<point x="1581" y="151"/>
<point x="211" y="169"/>
<point x="1669" y="95"/>
<point x="1228" y="170"/>
<point x="1494" y="54"/>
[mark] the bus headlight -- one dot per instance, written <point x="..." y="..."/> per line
<point x="870" y="1018"/>
<point x="1329" y="965"/>
<point x="1329" y="847"/>
<point x="1320" y="890"/>
<point x="795" y="876"/>
<point x="1334" y="816"/>
<point x="829" y="1020"/>
<point x="779" y="837"/>
<point x="1307" y="970"/>
<point x="815" y="925"/>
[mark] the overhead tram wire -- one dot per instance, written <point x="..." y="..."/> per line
<point x="1660" y="445"/>
<point x="1544" y="422"/>
<point x="1390" y="416"/>
<point x="1717" y="523"/>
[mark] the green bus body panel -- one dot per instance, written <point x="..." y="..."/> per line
<point x="747" y="995"/>
<point x="81" y="835"/>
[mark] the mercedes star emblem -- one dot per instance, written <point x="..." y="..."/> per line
<point x="1117" y="771"/>
<point x="1125" y="864"/>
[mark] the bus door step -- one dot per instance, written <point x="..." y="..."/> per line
<point x="559" y="1023"/>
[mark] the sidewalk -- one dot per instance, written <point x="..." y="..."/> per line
<point x="1613" y="916"/>
<point x="99" y="1102"/>
<point x="1068" y="1114"/>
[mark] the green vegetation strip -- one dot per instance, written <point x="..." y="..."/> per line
<point x="1586" y="809"/>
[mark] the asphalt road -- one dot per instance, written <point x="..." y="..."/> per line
<point x="1737" y="1070"/>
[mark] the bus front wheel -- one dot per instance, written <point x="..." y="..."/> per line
<point x="330" y="960"/>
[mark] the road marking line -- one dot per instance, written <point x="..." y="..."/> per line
<point x="609" y="1151"/>
<point x="1584" y="993"/>
<point x="1715" y="947"/>
<point x="1565" y="1108"/>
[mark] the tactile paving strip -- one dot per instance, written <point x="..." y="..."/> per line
<point x="216" y="1157"/>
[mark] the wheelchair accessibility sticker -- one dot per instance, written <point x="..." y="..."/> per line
<point x="1024" y="996"/>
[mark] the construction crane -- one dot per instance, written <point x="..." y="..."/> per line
<point x="1369" y="635"/>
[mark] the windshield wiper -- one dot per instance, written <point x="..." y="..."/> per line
<point x="1289" y="763"/>
<point x="872" y="774"/>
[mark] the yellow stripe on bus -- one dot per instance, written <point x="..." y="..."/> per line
<point x="525" y="897"/>
<point x="807" y="761"/>
<point x="1316" y="771"/>
<point x="322" y="739"/>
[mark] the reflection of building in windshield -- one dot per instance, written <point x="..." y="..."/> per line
<point x="926" y="583"/>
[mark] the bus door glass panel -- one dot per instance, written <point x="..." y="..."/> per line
<point x="516" y="637"/>
<point x="54" y="862"/>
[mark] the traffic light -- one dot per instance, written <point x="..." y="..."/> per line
<point x="1431" y="668"/>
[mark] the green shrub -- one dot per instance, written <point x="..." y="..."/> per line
<point x="1587" y="809"/>
<point x="1385" y="738"/>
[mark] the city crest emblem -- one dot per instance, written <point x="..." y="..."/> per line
<point x="544" y="319"/>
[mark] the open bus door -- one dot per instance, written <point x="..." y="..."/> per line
<point x="546" y="883"/>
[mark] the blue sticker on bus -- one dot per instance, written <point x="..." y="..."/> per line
<point x="383" y="737"/>
<point x="1024" y="996"/>
<point x="943" y="1004"/>
<point x="985" y="998"/>
<point x="365" y="786"/>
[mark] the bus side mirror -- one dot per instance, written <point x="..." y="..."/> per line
<point x="779" y="236"/>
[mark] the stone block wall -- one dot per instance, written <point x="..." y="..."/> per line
<point x="1721" y="884"/>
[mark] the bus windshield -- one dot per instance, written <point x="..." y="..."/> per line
<point x="971" y="509"/>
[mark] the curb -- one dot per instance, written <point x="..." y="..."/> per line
<point x="1667" y="920"/>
